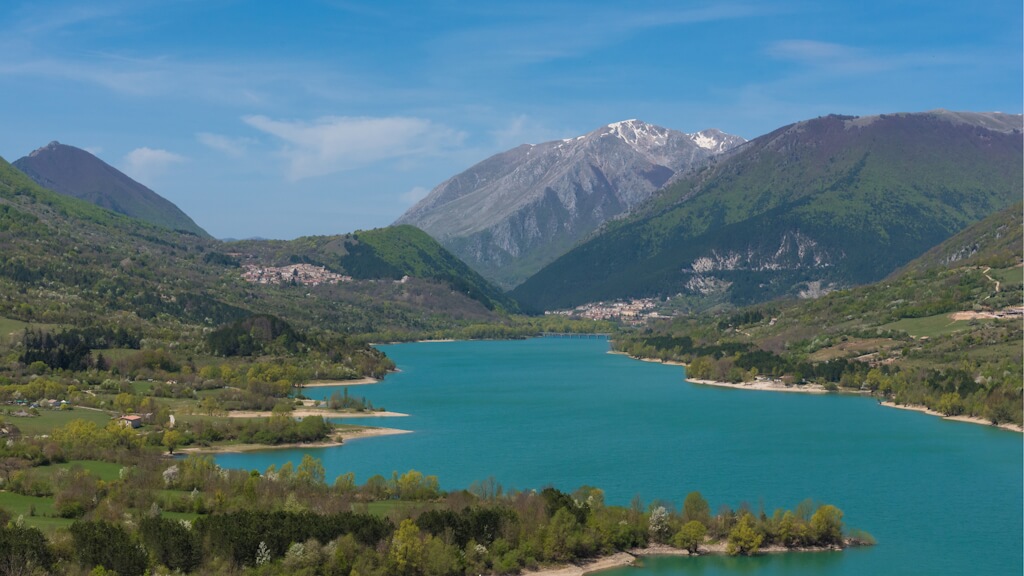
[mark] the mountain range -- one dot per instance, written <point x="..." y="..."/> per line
<point x="516" y="211"/>
<point x="75" y="172"/>
<point x="821" y="204"/>
<point x="638" y="211"/>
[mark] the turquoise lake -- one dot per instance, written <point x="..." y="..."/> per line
<point x="940" y="497"/>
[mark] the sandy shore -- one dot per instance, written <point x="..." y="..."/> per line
<point x="968" y="419"/>
<point x="767" y="386"/>
<point x="302" y="413"/>
<point x="356" y="434"/>
<point x="613" y="561"/>
<point x="336" y="440"/>
<point x="652" y="360"/>
<point x="329" y="383"/>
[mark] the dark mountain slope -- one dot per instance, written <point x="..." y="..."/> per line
<point x="830" y="202"/>
<point x="74" y="172"/>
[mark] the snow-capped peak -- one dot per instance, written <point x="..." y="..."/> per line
<point x="715" y="140"/>
<point x="636" y="133"/>
<point x="704" y="141"/>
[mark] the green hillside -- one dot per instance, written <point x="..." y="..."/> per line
<point x="381" y="254"/>
<point x="945" y="331"/>
<point x="83" y="289"/>
<point x="838" y="201"/>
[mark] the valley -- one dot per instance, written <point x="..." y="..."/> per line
<point x="820" y="258"/>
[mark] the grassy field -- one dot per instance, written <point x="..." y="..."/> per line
<point x="115" y="354"/>
<point x="384" y="507"/>
<point x="930" y="326"/>
<point x="8" y="326"/>
<point x="38" y="512"/>
<point x="853" y="347"/>
<point x="50" y="419"/>
<point x="1008" y="276"/>
<point x="106" y="471"/>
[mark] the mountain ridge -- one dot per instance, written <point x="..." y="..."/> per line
<point x="509" y="214"/>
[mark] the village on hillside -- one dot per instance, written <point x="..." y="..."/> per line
<point x="635" y="312"/>
<point x="305" y="274"/>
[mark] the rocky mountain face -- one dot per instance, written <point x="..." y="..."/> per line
<point x="74" y="172"/>
<point x="516" y="211"/>
<point x="817" y="205"/>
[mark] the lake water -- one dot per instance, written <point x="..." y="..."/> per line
<point x="940" y="497"/>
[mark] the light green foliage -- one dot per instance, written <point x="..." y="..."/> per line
<point x="950" y="404"/>
<point x="744" y="538"/>
<point x="172" y="439"/>
<point x="559" y="543"/>
<point x="345" y="483"/>
<point x="826" y="526"/>
<point x="690" y="536"/>
<point x="695" y="507"/>
<point x="413" y="485"/>
<point x="406" y="552"/>
<point x="310" y="471"/>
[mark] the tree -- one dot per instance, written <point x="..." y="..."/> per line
<point x="695" y="507"/>
<point x="310" y="471"/>
<point x="951" y="404"/>
<point x="744" y="539"/>
<point x="559" y="542"/>
<point x="23" y="551"/>
<point x="105" y="544"/>
<point x="406" y="553"/>
<point x="690" y="537"/>
<point x="172" y="543"/>
<point x="827" y="526"/>
<point x="657" y="524"/>
<point x="172" y="439"/>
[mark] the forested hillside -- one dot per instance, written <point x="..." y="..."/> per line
<point x="822" y="204"/>
<point x="944" y="332"/>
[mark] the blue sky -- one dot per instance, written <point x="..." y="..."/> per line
<point x="283" y="119"/>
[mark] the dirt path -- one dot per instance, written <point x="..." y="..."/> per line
<point x="991" y="279"/>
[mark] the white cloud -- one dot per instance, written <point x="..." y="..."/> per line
<point x="234" y="147"/>
<point x="146" y="164"/>
<point x="415" y="195"/>
<point x="523" y="130"/>
<point x="842" y="59"/>
<point x="338" y="143"/>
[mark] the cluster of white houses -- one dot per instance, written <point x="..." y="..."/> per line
<point x="636" y="311"/>
<point x="305" y="274"/>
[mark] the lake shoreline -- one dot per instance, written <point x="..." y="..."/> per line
<point x="765" y="386"/>
<point x="323" y="413"/>
<point x="336" y="439"/>
<point x="335" y="383"/>
<point x="769" y="386"/>
<point x="968" y="419"/>
<point x="630" y="557"/>
<point x="775" y="386"/>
